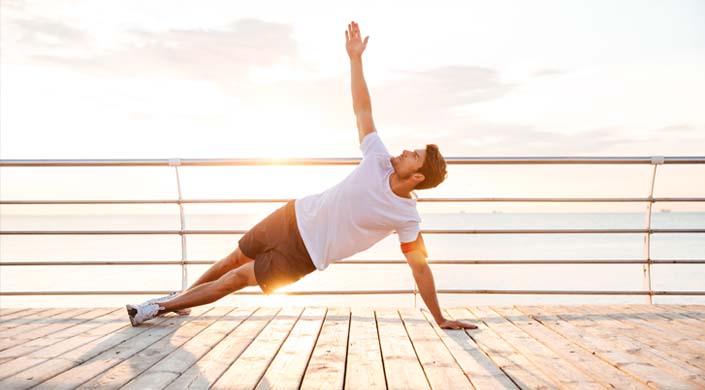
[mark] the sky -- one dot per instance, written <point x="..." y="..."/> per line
<point x="224" y="79"/>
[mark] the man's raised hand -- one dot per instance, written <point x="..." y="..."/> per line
<point x="353" y="44"/>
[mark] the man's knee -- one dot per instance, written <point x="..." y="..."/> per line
<point x="240" y="277"/>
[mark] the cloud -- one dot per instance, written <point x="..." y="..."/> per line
<point x="416" y="99"/>
<point x="427" y="98"/>
<point x="414" y="102"/>
<point x="221" y="56"/>
<point x="680" y="127"/>
<point x="523" y="140"/>
<point x="42" y="33"/>
<point x="548" y="72"/>
<point x="420" y="101"/>
<point x="13" y="4"/>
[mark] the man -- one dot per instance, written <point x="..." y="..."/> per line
<point x="314" y="231"/>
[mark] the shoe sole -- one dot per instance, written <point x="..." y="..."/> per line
<point x="132" y="312"/>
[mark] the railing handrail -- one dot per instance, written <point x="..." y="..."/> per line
<point x="346" y="161"/>
<point x="424" y="231"/>
<point x="284" y="200"/>
<point x="359" y="262"/>
<point x="378" y="292"/>
<point x="563" y="160"/>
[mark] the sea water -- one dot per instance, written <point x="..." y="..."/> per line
<point x="671" y="277"/>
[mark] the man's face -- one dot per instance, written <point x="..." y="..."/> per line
<point x="408" y="162"/>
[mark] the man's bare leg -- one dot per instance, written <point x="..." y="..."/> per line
<point x="217" y="270"/>
<point x="208" y="292"/>
<point x="230" y="262"/>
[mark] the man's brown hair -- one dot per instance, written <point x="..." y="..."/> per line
<point x="433" y="168"/>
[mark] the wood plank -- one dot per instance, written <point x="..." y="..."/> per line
<point x="615" y="346"/>
<point x="691" y="326"/>
<point x="51" y="328"/>
<point x="98" y="355"/>
<point x="247" y="370"/>
<point x="683" y="325"/>
<point x="660" y="333"/>
<point x="38" y="318"/>
<point x="169" y="368"/>
<point x="480" y="369"/>
<point x="15" y="365"/>
<point x="543" y="357"/>
<point x="604" y="373"/>
<point x="687" y="311"/>
<point x="521" y="371"/>
<point x="401" y="365"/>
<point x="10" y="312"/>
<point x="693" y="311"/>
<point x="211" y="366"/>
<point x="21" y="314"/>
<point x="442" y="371"/>
<point x="286" y="371"/>
<point x="60" y="342"/>
<point x="598" y="340"/>
<point x="120" y="374"/>
<point x="651" y="345"/>
<point x="364" y="368"/>
<point x="698" y="311"/>
<point x="654" y="346"/>
<point x="326" y="368"/>
<point x="65" y="318"/>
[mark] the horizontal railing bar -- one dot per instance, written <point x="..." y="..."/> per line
<point x="283" y="200"/>
<point x="430" y="231"/>
<point x="353" y="262"/>
<point x="369" y="292"/>
<point x="349" y="161"/>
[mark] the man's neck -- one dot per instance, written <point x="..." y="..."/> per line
<point x="398" y="186"/>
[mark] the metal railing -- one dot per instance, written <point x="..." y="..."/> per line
<point x="646" y="262"/>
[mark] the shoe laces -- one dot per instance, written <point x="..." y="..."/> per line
<point x="153" y="308"/>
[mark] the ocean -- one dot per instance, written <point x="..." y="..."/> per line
<point x="363" y="276"/>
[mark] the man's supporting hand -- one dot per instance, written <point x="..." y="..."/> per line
<point x="455" y="324"/>
<point x="353" y="44"/>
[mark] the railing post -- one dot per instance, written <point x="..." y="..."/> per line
<point x="175" y="162"/>
<point x="646" y="268"/>
<point x="415" y="291"/>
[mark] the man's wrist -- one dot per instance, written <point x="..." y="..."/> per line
<point x="356" y="59"/>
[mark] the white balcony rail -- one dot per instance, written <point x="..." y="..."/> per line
<point x="646" y="262"/>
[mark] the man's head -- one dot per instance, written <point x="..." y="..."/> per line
<point x="426" y="168"/>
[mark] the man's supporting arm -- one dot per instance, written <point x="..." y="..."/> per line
<point x="427" y="288"/>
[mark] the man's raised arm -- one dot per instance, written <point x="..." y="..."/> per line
<point x="361" y="97"/>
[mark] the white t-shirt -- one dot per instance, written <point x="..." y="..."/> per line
<point x="357" y="212"/>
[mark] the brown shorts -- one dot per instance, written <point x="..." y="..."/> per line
<point x="276" y="246"/>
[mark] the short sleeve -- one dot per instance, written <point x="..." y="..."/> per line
<point x="372" y="144"/>
<point x="408" y="232"/>
<point x="418" y="244"/>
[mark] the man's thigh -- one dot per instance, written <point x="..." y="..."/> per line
<point x="237" y="259"/>
<point x="240" y="277"/>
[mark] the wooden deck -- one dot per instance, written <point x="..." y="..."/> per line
<point x="527" y="347"/>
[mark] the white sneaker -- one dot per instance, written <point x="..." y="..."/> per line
<point x="143" y="312"/>
<point x="182" y="312"/>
